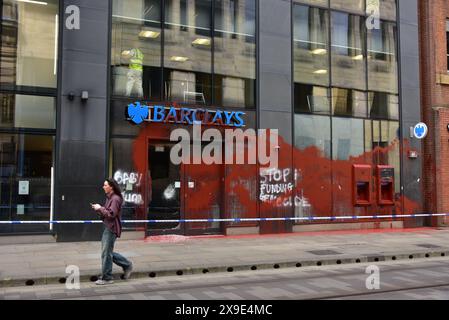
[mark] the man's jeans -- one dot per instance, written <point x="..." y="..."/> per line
<point x="108" y="256"/>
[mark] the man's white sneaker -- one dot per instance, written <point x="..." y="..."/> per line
<point x="128" y="272"/>
<point x="101" y="282"/>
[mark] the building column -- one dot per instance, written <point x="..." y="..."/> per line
<point x="82" y="125"/>
<point x="410" y="99"/>
<point x="274" y="94"/>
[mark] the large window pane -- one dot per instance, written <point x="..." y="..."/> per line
<point x="23" y="111"/>
<point x="348" y="57"/>
<point x="311" y="45"/>
<point x="130" y="180"/>
<point x="313" y="131"/>
<point x="382" y="59"/>
<point x="136" y="49"/>
<point x="25" y="173"/>
<point x="235" y="53"/>
<point x="347" y="102"/>
<point x="312" y="162"/>
<point x="322" y="3"/>
<point x="387" y="9"/>
<point x="29" y="43"/>
<point x="383" y="105"/>
<point x="188" y="52"/>
<point x="347" y="138"/>
<point x="311" y="99"/>
<point x="356" y="6"/>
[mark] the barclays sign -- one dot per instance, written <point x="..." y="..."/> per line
<point x="138" y="113"/>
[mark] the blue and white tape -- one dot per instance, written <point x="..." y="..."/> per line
<point x="311" y="218"/>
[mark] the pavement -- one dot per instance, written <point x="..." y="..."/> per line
<point x="46" y="263"/>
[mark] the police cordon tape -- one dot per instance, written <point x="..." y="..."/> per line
<point x="392" y="216"/>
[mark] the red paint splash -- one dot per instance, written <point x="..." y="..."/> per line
<point x="232" y="191"/>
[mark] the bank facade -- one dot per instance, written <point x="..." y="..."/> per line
<point x="79" y="105"/>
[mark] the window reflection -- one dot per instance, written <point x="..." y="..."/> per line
<point x="28" y="54"/>
<point x="387" y="9"/>
<point x="23" y="111"/>
<point x="348" y="57"/>
<point x="136" y="50"/>
<point x="321" y="3"/>
<point x="347" y="138"/>
<point x="187" y="44"/>
<point x="235" y="53"/>
<point x="311" y="50"/>
<point x="313" y="131"/>
<point x="347" y="102"/>
<point x="356" y="6"/>
<point x="383" y="105"/>
<point x="25" y="167"/>
<point x="311" y="99"/>
<point x="382" y="60"/>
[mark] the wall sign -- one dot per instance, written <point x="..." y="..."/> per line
<point x="420" y="130"/>
<point x="24" y="188"/>
<point x="138" y="113"/>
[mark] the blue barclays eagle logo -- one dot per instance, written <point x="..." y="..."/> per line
<point x="137" y="113"/>
<point x="419" y="131"/>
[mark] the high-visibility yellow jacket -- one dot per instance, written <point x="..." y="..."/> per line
<point x="136" y="61"/>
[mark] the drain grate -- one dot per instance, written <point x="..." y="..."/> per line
<point x="324" y="252"/>
<point x="428" y="246"/>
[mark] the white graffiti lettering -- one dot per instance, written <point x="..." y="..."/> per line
<point x="134" y="198"/>
<point x="124" y="178"/>
<point x="277" y="186"/>
<point x="129" y="180"/>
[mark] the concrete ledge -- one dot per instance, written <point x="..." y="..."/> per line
<point x="237" y="231"/>
<point x="26" y="239"/>
<point x="349" y="226"/>
<point x="300" y="263"/>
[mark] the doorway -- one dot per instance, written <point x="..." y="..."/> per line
<point x="179" y="192"/>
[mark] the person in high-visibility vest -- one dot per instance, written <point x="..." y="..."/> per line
<point x="135" y="71"/>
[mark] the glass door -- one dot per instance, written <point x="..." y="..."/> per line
<point x="164" y="190"/>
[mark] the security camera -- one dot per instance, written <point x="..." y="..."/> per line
<point x="71" y="96"/>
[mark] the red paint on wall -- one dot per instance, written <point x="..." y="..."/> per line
<point x="322" y="187"/>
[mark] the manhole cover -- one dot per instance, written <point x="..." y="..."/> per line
<point x="428" y="246"/>
<point x="324" y="252"/>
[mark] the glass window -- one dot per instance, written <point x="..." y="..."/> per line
<point x="348" y="58"/>
<point x="383" y="105"/>
<point x="387" y="9"/>
<point x="24" y="111"/>
<point x="313" y="131"/>
<point x="25" y="173"/>
<point x="130" y="180"/>
<point x="235" y="53"/>
<point x="136" y="49"/>
<point x="368" y="136"/>
<point x="29" y="46"/>
<point x="347" y="138"/>
<point x="382" y="59"/>
<point x="322" y="3"/>
<point x="311" y="45"/>
<point x="188" y="53"/>
<point x="311" y="99"/>
<point x="346" y="102"/>
<point x="357" y="6"/>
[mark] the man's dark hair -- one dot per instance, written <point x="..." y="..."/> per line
<point x="115" y="187"/>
